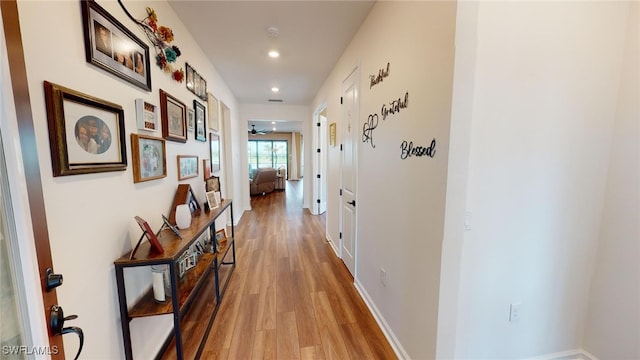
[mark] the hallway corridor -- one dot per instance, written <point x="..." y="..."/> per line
<point x="290" y="297"/>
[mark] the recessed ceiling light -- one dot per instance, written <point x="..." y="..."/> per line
<point x="274" y="54"/>
<point x="275" y="89"/>
<point x="273" y="123"/>
<point x="274" y="129"/>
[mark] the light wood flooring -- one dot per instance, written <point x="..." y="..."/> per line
<point x="290" y="297"/>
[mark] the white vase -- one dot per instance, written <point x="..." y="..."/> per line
<point x="183" y="216"/>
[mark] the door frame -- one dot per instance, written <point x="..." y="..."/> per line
<point x="319" y="161"/>
<point x="26" y="188"/>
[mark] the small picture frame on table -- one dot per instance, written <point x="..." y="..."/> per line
<point x="156" y="247"/>
<point x="212" y="201"/>
<point x="221" y="240"/>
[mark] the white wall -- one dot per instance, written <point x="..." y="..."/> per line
<point x="547" y="76"/>
<point x="90" y="216"/>
<point x="613" y="324"/>
<point x="400" y="202"/>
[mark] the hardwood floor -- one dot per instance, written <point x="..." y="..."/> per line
<point x="290" y="297"/>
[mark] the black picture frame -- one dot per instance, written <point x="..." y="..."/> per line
<point x="200" y="120"/>
<point x="196" y="83"/>
<point x="104" y="36"/>
<point x="77" y="123"/>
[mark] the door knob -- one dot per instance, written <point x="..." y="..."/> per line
<point x="352" y="202"/>
<point x="56" y="324"/>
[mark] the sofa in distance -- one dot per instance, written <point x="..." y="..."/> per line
<point x="264" y="181"/>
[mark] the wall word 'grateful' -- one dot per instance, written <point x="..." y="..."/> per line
<point x="408" y="150"/>
<point x="395" y="106"/>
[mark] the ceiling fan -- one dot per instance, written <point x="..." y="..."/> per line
<point x="256" y="132"/>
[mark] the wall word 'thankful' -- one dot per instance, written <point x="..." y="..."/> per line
<point x="376" y="79"/>
<point x="408" y="150"/>
<point x="395" y="106"/>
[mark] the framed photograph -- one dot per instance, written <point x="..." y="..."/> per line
<point x="191" y="123"/>
<point x="196" y="83"/>
<point x="149" y="156"/>
<point x="212" y="201"/>
<point x="332" y="134"/>
<point x="147" y="115"/>
<point x="187" y="166"/>
<point x="174" y="118"/>
<point x="86" y="134"/>
<point x="221" y="240"/>
<point x="112" y="47"/>
<point x="156" y="247"/>
<point x="189" y="78"/>
<point x="214" y="108"/>
<point x="214" y="146"/>
<point x="201" y="132"/>
<point x="212" y="184"/>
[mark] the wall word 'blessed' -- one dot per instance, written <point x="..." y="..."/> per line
<point x="376" y="79"/>
<point x="408" y="150"/>
<point x="368" y="127"/>
<point x="395" y="106"/>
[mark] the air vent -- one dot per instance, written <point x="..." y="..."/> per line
<point x="275" y="100"/>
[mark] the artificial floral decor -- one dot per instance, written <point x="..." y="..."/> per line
<point x="161" y="38"/>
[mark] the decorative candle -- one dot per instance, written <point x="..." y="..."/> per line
<point x="157" y="272"/>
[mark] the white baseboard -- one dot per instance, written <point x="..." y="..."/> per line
<point x="386" y="330"/>
<point x="332" y="245"/>
<point x="576" y="354"/>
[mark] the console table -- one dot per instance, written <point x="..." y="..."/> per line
<point x="199" y="288"/>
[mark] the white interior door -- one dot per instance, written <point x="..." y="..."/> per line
<point x="349" y="174"/>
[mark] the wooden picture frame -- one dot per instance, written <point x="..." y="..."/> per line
<point x="86" y="134"/>
<point x="147" y="116"/>
<point x="211" y="200"/>
<point x="156" y="247"/>
<point x="200" y="120"/>
<point x="109" y="45"/>
<point x="212" y="184"/>
<point x="187" y="166"/>
<point x="214" y="151"/>
<point x="149" y="155"/>
<point x="221" y="240"/>
<point x="206" y="168"/>
<point x="214" y="109"/>
<point x="332" y="134"/>
<point x="174" y="118"/>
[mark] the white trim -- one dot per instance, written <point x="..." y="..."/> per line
<point x="36" y="331"/>
<point x="332" y="245"/>
<point x="386" y="329"/>
<point x="576" y="354"/>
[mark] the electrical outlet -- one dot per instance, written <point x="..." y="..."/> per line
<point x="383" y="277"/>
<point x="515" y="312"/>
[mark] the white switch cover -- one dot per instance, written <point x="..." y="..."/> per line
<point x="467" y="220"/>
<point x="515" y="312"/>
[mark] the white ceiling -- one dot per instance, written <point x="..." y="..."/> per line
<point x="312" y="36"/>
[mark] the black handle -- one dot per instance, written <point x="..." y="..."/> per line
<point x="352" y="202"/>
<point x="56" y="324"/>
<point x="53" y="280"/>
